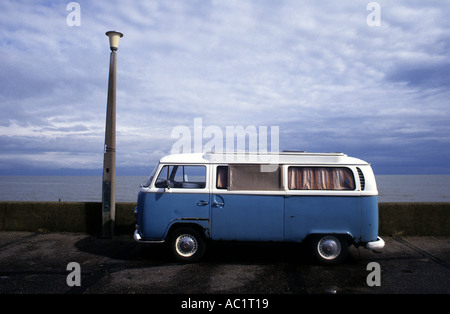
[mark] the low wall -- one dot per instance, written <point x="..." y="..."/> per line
<point x="414" y="219"/>
<point x="421" y="219"/>
<point x="83" y="217"/>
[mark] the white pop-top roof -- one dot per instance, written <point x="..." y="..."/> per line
<point x="265" y="158"/>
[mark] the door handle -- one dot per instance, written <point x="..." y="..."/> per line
<point x="218" y="204"/>
<point x="202" y="203"/>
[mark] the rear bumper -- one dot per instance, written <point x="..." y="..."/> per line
<point x="375" y="245"/>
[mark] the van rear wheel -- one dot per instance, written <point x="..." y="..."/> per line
<point x="329" y="249"/>
<point x="187" y="245"/>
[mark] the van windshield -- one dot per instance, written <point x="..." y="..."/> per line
<point x="182" y="176"/>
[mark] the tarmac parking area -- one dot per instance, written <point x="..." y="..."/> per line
<point x="36" y="263"/>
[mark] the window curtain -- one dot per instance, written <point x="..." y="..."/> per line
<point x="320" y="178"/>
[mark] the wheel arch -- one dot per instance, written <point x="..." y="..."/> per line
<point x="343" y="235"/>
<point x="187" y="224"/>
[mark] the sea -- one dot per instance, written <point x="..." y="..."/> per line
<point x="391" y="188"/>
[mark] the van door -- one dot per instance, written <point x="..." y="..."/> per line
<point x="247" y="217"/>
<point x="180" y="194"/>
<point x="247" y="204"/>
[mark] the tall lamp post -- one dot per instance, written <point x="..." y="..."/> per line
<point x="109" y="157"/>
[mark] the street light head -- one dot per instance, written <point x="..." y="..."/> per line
<point x="114" y="39"/>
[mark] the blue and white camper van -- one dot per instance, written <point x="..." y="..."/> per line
<point x="328" y="200"/>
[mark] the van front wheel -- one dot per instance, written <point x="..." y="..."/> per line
<point x="187" y="245"/>
<point x="329" y="249"/>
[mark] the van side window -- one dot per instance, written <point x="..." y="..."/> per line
<point x="222" y="177"/>
<point x="250" y="178"/>
<point x="185" y="177"/>
<point x="163" y="178"/>
<point x="320" y="178"/>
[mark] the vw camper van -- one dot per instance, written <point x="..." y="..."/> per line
<point x="328" y="200"/>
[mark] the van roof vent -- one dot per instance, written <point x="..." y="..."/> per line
<point x="361" y="179"/>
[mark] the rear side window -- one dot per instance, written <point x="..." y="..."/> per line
<point x="320" y="178"/>
<point x="184" y="177"/>
<point x="248" y="178"/>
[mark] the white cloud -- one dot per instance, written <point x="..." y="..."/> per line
<point x="315" y="69"/>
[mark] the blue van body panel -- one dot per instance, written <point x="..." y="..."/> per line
<point x="247" y="217"/>
<point x="369" y="218"/>
<point x="353" y="215"/>
<point x="305" y="215"/>
<point x="259" y="217"/>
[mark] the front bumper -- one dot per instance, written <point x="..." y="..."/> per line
<point x="137" y="237"/>
<point x="375" y="245"/>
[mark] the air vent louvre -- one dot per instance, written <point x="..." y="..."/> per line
<point x="361" y="179"/>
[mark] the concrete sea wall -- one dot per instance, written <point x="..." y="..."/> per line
<point x="406" y="219"/>
<point x="414" y="219"/>
<point x="83" y="217"/>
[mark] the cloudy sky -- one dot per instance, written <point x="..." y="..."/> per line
<point x="324" y="72"/>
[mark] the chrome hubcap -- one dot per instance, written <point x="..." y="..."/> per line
<point x="186" y="245"/>
<point x="329" y="247"/>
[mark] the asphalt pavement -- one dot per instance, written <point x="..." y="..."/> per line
<point x="68" y="263"/>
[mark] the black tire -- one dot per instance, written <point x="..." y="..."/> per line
<point x="187" y="245"/>
<point x="329" y="249"/>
